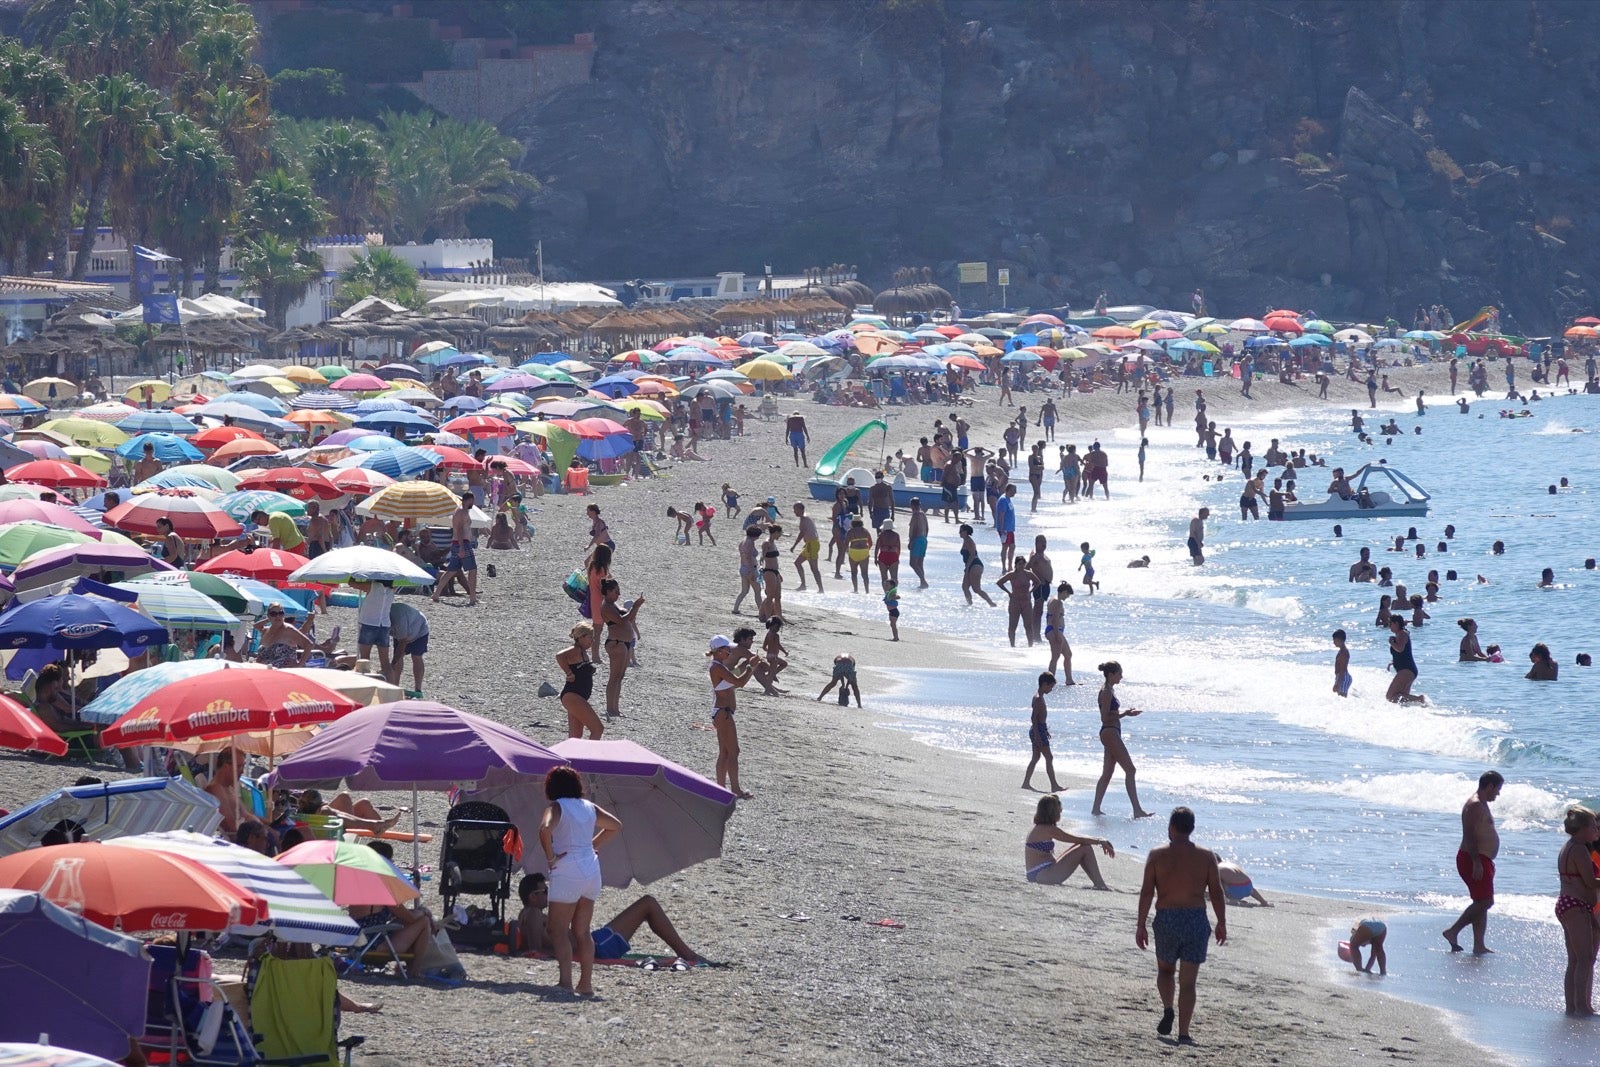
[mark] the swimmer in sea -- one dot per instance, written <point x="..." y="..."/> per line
<point x="1547" y="579"/>
<point x="1341" y="665"/>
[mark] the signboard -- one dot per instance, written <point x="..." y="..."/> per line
<point x="973" y="273"/>
<point x="1003" y="277"/>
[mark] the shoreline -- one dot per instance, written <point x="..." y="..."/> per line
<point x="852" y="817"/>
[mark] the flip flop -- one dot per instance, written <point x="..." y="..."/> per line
<point x="850" y="918"/>
<point x="798" y="917"/>
<point x="888" y="924"/>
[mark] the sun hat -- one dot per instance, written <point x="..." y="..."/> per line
<point x="719" y="641"/>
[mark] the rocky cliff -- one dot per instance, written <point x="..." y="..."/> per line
<point x="1358" y="157"/>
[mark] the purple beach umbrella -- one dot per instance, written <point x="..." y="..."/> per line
<point x="55" y="565"/>
<point x="672" y="818"/>
<point x="61" y="975"/>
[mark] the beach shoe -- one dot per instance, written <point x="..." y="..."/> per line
<point x="1164" y="1027"/>
<point x="489" y="569"/>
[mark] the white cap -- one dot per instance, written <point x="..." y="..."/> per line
<point x="720" y="641"/>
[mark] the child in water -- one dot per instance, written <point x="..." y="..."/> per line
<point x="1086" y="565"/>
<point x="1371" y="932"/>
<point x="891" y="600"/>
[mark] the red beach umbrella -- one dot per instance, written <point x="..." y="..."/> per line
<point x="22" y="510"/>
<point x="454" y="458"/>
<point x="217" y="436"/>
<point x="226" y="702"/>
<point x="192" y="517"/>
<point x="262" y="564"/>
<point x="1283" y="324"/>
<point x="21" y="729"/>
<point x="302" y="483"/>
<point x="479" y="426"/>
<point x="55" y="472"/>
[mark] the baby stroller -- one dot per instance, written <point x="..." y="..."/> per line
<point x="476" y="856"/>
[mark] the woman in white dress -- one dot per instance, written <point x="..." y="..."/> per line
<point x="570" y="831"/>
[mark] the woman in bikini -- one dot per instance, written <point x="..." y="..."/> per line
<point x="858" y="546"/>
<point x="1039" y="861"/>
<point x="620" y="637"/>
<point x="772" y="573"/>
<point x="1575" y="907"/>
<point x="283" y="645"/>
<point x="579" y="671"/>
<point x="599" y="532"/>
<point x="971" y="568"/>
<point x="1116" y="752"/>
<point x="1055" y="631"/>
<point x="748" y="583"/>
<point x="725" y="682"/>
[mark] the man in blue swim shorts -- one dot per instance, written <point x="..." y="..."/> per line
<point x="799" y="436"/>
<point x="1178" y="878"/>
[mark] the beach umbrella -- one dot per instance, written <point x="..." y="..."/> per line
<point x="518" y="468"/>
<point x="382" y="403"/>
<point x="193" y="475"/>
<point x="111" y="411"/>
<point x="323" y="400"/>
<point x="1116" y="333"/>
<point x="167" y="447"/>
<point x="672" y="818"/>
<point x="1284" y="324"/>
<point x="262" y="564"/>
<point x="14" y="404"/>
<point x="42" y="511"/>
<point x="349" y="435"/>
<point x="310" y="420"/>
<point x="265" y="405"/>
<point x="218" y="590"/>
<point x="74" y="621"/>
<point x="1248" y="326"/>
<point x="20" y="540"/>
<point x="192" y="517"/>
<point x="225" y="702"/>
<point x="114" y="701"/>
<point x="374" y="442"/>
<point x="399" y="464"/>
<point x="240" y="505"/>
<point x="298" y="911"/>
<point x="415" y="743"/>
<point x="157" y="422"/>
<point x="360" y="383"/>
<point x="638" y="357"/>
<point x="243" y="448"/>
<point x="418" y="501"/>
<point x="217" y="436"/>
<point x="22" y="730"/>
<point x="479" y="426"/>
<point x="106" y="562"/>
<point x="764" y="370"/>
<point x="364" y="689"/>
<point x="615" y="385"/>
<point x="50" y="389"/>
<point x="409" y="421"/>
<point x="1013" y="357"/>
<point x="1310" y="340"/>
<point x="13" y="491"/>
<point x="463" y="403"/>
<point x="1581" y="332"/>
<point x="302" y="483"/>
<point x="361" y="563"/>
<point x="55" y="473"/>
<point x="332" y="372"/>
<point x="454" y="458"/>
<point x="103" y="810"/>
<point x="357" y="481"/>
<point x="65" y="976"/>
<point x="178" y="607"/>
<point x="391" y="371"/>
<point x="148" y="391"/>
<point x="1318" y="326"/>
<point x="1262" y="342"/>
<point x="131" y="889"/>
<point x="302" y="375"/>
<point x="349" y="874"/>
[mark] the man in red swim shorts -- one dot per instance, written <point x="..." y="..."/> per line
<point x="1480" y="844"/>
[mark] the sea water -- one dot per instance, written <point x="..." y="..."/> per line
<point x="1351" y="797"/>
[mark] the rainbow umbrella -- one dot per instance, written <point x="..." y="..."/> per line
<point x="349" y="874"/>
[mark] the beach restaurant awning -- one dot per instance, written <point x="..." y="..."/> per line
<point x="550" y="296"/>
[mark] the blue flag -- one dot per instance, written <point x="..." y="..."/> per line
<point x="161" y="308"/>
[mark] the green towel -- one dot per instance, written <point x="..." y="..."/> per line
<point x="293" y="1009"/>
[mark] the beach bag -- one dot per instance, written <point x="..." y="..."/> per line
<point x="577" y="587"/>
<point x="441" y="960"/>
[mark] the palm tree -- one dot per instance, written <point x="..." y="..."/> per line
<point x="241" y="121"/>
<point x="125" y="135"/>
<point x="379" y="273"/>
<point x="282" y="203"/>
<point x="440" y="169"/>
<point x="278" y="270"/>
<point x="30" y="164"/>
<point x="348" y="169"/>
<point x="195" y="188"/>
<point x="39" y="84"/>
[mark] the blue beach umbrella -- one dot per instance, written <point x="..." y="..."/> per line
<point x="374" y="442"/>
<point x="464" y="404"/>
<point x="381" y="403"/>
<point x="71" y="620"/>
<point x="1262" y="342"/>
<point x="1311" y="340"/>
<point x="400" y="464"/>
<point x="615" y="385"/>
<point x="168" y="448"/>
<point x="118" y="698"/>
<point x="158" y="422"/>
<point x="264" y="404"/>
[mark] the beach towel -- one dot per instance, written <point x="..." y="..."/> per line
<point x="293" y="1009"/>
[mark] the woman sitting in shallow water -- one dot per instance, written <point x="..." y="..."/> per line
<point x="1039" y="861"/>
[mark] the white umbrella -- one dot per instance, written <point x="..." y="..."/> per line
<point x="362" y="563"/>
<point x="1248" y="326"/>
<point x="1353" y="336"/>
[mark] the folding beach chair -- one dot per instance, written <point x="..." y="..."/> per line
<point x="375" y="953"/>
<point x="294" y="1006"/>
<point x="188" y="1019"/>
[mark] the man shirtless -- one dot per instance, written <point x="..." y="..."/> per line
<point x="1363" y="570"/>
<point x="148" y="466"/>
<point x="1197" y="537"/>
<point x="806" y="536"/>
<point x="319" y="532"/>
<point x="1480" y="844"/>
<point x="917" y="536"/>
<point x="799" y="436"/>
<point x="1044" y="573"/>
<point x="954" y="474"/>
<point x="461" y="561"/>
<point x="1179" y="876"/>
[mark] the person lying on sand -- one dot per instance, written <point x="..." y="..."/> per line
<point x="611" y="941"/>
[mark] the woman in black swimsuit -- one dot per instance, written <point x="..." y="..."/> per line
<point x="772" y="573"/>
<point x="574" y="663"/>
<point x="1111" y="716"/>
<point x="1405" y="665"/>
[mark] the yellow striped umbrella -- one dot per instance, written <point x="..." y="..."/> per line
<point x="411" y="500"/>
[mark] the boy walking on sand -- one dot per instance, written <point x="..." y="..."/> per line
<point x="1341" y="665"/>
<point x="1179" y="877"/>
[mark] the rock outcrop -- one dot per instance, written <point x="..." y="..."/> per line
<point x="1357" y="157"/>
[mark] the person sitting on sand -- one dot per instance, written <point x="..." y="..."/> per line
<point x="1039" y="861"/>
<point x="1371" y="932"/>
<point x="1237" y="886"/>
<point x="612" y="941"/>
<point x="417" y="926"/>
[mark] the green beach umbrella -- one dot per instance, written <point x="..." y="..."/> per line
<point x="179" y="607"/>
<point x="240" y="505"/>
<point x="19" y="540"/>
<point x="333" y="372"/>
<point x="217" y="477"/>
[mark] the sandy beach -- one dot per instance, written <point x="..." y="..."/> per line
<point x="848" y="819"/>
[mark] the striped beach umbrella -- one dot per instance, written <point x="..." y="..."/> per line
<point x="323" y="399"/>
<point x="19" y="540"/>
<point x="298" y="910"/>
<point x="110" y="411"/>
<point x="178" y="607"/>
<point x="113" y="809"/>
<point x="358" y="481"/>
<point x="191" y="516"/>
<point x="302" y="483"/>
<point x="420" y="501"/>
<point x="239" y="505"/>
<point x="399" y="464"/>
